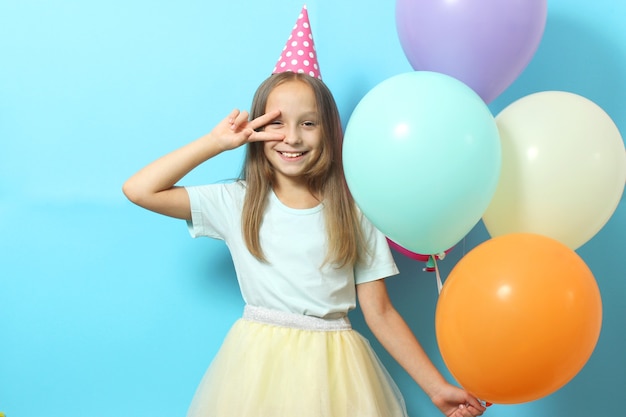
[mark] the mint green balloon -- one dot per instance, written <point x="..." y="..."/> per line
<point x="422" y="157"/>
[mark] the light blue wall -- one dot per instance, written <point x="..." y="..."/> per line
<point x="109" y="310"/>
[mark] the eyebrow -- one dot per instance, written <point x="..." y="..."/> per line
<point x="313" y="114"/>
<point x="305" y="115"/>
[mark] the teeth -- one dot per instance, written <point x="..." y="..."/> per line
<point x="291" y="154"/>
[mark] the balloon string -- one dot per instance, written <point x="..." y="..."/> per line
<point x="439" y="283"/>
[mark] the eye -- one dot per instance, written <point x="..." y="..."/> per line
<point x="309" y="124"/>
<point x="275" y="124"/>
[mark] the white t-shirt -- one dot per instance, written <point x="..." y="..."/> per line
<point x="294" y="278"/>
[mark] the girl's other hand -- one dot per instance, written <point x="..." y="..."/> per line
<point x="455" y="402"/>
<point x="235" y="130"/>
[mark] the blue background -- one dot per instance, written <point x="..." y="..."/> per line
<point x="106" y="309"/>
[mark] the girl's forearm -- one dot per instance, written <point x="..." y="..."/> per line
<point x="154" y="186"/>
<point x="397" y="338"/>
<point x="165" y="172"/>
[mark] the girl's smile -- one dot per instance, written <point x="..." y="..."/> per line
<point x="292" y="157"/>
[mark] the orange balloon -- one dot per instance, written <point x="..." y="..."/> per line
<point x="517" y="318"/>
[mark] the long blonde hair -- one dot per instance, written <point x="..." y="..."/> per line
<point x="325" y="177"/>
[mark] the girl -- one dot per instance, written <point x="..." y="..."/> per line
<point x="303" y="253"/>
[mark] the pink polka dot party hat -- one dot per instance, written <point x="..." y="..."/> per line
<point x="299" y="53"/>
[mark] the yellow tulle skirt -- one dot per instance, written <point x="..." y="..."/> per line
<point x="275" y="364"/>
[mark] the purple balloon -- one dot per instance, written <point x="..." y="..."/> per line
<point x="484" y="43"/>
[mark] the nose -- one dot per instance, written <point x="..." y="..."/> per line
<point x="292" y="137"/>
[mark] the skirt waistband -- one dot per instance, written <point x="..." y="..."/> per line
<point x="294" y="320"/>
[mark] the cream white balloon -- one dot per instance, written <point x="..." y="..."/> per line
<point x="563" y="168"/>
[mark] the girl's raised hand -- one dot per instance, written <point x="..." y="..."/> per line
<point x="235" y="130"/>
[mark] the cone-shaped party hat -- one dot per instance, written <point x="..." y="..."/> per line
<point x="299" y="53"/>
